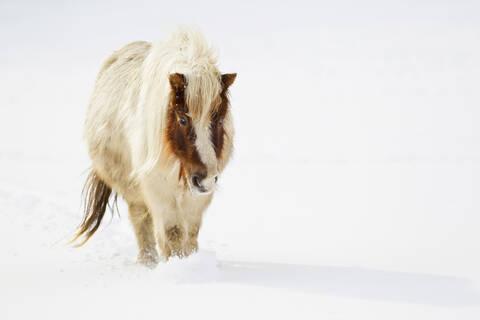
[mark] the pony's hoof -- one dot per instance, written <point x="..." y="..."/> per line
<point x="148" y="259"/>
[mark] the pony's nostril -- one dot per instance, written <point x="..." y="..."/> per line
<point x="216" y="179"/>
<point x="196" y="181"/>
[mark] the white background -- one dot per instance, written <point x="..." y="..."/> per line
<point x="352" y="194"/>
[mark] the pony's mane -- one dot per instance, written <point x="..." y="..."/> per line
<point x="186" y="52"/>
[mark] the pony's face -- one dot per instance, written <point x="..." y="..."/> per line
<point x="200" y="140"/>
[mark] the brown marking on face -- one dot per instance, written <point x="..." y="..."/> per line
<point x="180" y="133"/>
<point x="218" y="117"/>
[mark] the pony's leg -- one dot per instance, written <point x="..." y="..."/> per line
<point x="192" y="245"/>
<point x="169" y="227"/>
<point x="171" y="240"/>
<point x="176" y="235"/>
<point x="170" y="233"/>
<point x="142" y="222"/>
<point x="193" y="221"/>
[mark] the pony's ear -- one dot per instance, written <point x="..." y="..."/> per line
<point x="177" y="81"/>
<point x="228" y="79"/>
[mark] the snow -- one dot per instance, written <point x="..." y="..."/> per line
<point x="353" y="192"/>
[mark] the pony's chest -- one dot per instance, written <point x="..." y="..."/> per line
<point x="192" y="204"/>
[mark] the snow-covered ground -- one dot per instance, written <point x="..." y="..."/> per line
<point x="353" y="193"/>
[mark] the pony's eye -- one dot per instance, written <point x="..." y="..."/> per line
<point x="183" y="122"/>
<point x="220" y="122"/>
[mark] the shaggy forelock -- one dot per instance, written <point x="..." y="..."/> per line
<point x="202" y="95"/>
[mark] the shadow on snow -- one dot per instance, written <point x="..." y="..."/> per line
<point x="339" y="281"/>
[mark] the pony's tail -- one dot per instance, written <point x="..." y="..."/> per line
<point x="96" y="196"/>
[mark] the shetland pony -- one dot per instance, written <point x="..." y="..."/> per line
<point x="159" y="132"/>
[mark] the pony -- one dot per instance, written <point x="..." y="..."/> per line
<point x="159" y="133"/>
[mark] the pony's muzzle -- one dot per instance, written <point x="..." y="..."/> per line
<point x="203" y="184"/>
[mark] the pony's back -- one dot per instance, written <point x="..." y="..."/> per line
<point x="115" y="94"/>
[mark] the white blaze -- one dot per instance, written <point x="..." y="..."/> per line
<point x="206" y="150"/>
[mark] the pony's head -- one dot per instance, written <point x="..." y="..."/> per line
<point x="199" y="128"/>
